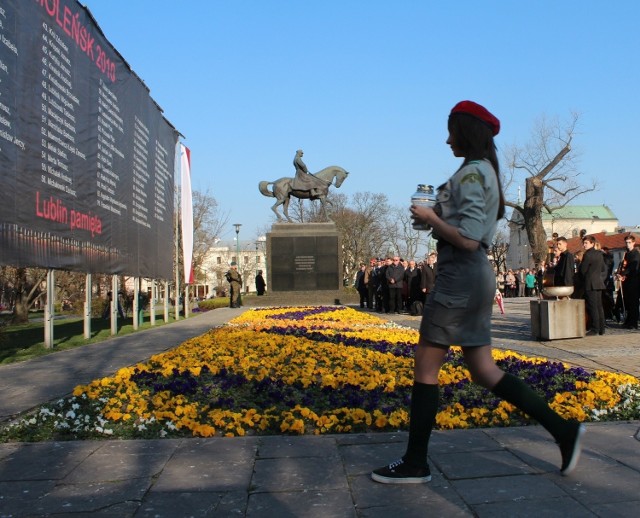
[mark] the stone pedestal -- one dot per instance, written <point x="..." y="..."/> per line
<point x="304" y="257"/>
<point x="556" y="319"/>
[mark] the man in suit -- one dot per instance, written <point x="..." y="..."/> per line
<point x="629" y="274"/>
<point x="372" y="285"/>
<point x="412" y="277"/>
<point x="384" y="284"/>
<point x="260" y="284"/>
<point x="362" y="283"/>
<point x="590" y="273"/>
<point x="565" y="267"/>
<point x="609" y="284"/>
<point x="395" y="278"/>
<point x="429" y="274"/>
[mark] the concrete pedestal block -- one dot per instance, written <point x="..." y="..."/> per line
<point x="556" y="319"/>
<point x="304" y="258"/>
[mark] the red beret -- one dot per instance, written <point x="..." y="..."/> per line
<point x="479" y="112"/>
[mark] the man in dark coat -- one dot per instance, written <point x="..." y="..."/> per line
<point x="395" y="281"/>
<point x="412" y="276"/>
<point x="590" y="273"/>
<point x="377" y="277"/>
<point x="565" y="267"/>
<point x="372" y="285"/>
<point x="429" y="275"/>
<point x="260" y="284"/>
<point x="362" y="282"/>
<point x="384" y="284"/>
<point x="609" y="284"/>
<point x="629" y="274"/>
<point x="235" y="283"/>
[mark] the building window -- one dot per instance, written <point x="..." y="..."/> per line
<point x="219" y="260"/>
<point x="246" y="259"/>
<point x="259" y="260"/>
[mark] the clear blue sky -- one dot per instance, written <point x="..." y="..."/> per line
<point x="368" y="85"/>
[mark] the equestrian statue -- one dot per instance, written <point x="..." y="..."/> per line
<point x="304" y="185"/>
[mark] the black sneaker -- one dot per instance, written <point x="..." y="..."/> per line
<point x="399" y="472"/>
<point x="570" y="450"/>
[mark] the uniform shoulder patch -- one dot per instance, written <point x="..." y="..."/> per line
<point x="472" y="178"/>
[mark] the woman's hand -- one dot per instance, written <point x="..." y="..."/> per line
<point x="422" y="214"/>
<point x="444" y="230"/>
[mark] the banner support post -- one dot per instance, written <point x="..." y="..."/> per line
<point x="114" y="304"/>
<point x="87" y="307"/>
<point x="136" y="304"/>
<point x="166" y="302"/>
<point x="152" y="303"/>
<point x="49" y="311"/>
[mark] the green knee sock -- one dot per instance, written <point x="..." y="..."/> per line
<point x="424" y="407"/>
<point x="518" y="393"/>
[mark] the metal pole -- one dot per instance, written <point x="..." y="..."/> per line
<point x="166" y="301"/>
<point x="186" y="301"/>
<point x="114" y="304"/>
<point x="87" y="306"/>
<point x="177" y="290"/>
<point x="136" y="292"/>
<point x="238" y="225"/>
<point x="49" y="311"/>
<point x="152" y="303"/>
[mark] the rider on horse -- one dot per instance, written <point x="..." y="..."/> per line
<point x="304" y="180"/>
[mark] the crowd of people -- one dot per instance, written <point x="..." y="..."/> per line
<point x="523" y="282"/>
<point x="608" y="295"/>
<point x="395" y="285"/>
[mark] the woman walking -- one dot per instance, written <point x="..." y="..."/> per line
<point x="458" y="309"/>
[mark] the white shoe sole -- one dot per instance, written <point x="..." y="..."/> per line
<point x="404" y="480"/>
<point x="575" y="455"/>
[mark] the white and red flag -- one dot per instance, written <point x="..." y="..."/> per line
<point x="186" y="212"/>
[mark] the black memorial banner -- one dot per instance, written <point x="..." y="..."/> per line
<point x="86" y="157"/>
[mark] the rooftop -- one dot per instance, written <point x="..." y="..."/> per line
<point x="580" y="212"/>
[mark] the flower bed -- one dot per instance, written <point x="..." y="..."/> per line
<point x="308" y="370"/>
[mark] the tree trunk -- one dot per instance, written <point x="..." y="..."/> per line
<point x="532" y="212"/>
<point x="21" y="308"/>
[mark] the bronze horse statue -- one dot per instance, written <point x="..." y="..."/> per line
<point x="282" y="190"/>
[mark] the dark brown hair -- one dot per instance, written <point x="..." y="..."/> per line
<point x="475" y="140"/>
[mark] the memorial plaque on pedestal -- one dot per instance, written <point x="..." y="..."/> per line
<point x="304" y="257"/>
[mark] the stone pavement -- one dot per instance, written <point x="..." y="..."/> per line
<point x="480" y="472"/>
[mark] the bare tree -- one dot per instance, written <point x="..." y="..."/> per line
<point x="25" y="284"/>
<point x="499" y="249"/>
<point x="208" y="223"/>
<point x="548" y="162"/>
<point x="406" y="241"/>
<point x="363" y="225"/>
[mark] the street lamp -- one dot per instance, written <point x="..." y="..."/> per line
<point x="237" y="225"/>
